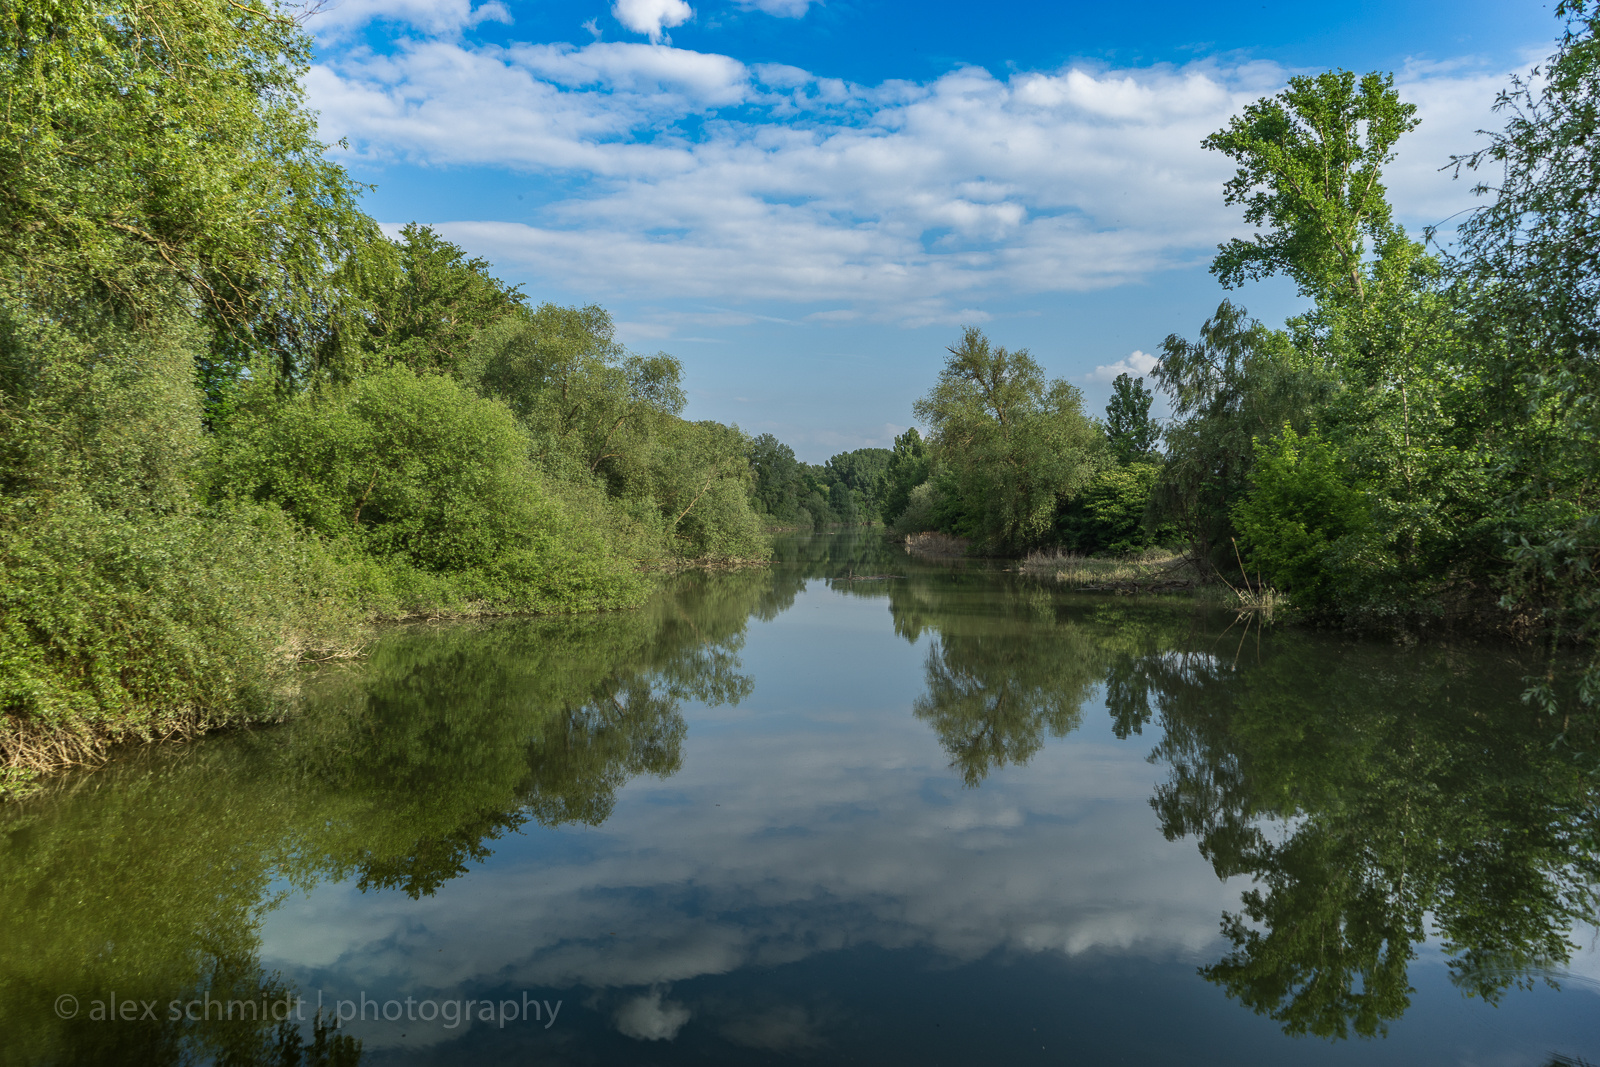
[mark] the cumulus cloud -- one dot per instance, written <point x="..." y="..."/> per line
<point x="652" y="16"/>
<point x="1135" y="363"/>
<point x="702" y="177"/>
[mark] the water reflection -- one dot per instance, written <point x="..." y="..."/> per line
<point x="1370" y="796"/>
<point x="1374" y="798"/>
<point x="148" y="880"/>
<point x="786" y="810"/>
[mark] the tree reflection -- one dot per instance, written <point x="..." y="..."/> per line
<point x="1372" y="795"/>
<point x="151" y="878"/>
<point x="1003" y="672"/>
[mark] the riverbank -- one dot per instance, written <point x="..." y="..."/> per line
<point x="268" y="678"/>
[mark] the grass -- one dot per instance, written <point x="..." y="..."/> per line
<point x="934" y="545"/>
<point x="1154" y="570"/>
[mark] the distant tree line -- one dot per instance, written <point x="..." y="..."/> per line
<point x="787" y="491"/>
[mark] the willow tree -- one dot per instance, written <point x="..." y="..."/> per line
<point x="1011" y="447"/>
<point x="164" y="201"/>
<point x="160" y="153"/>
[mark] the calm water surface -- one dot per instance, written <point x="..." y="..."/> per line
<point x="782" y="816"/>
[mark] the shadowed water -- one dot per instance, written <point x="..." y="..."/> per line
<point x="781" y="815"/>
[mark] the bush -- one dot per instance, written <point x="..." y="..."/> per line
<point x="918" y="514"/>
<point x="1299" y="517"/>
<point x="1109" y="515"/>
<point x="415" y="472"/>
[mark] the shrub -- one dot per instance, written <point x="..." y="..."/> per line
<point x="1109" y="515"/>
<point x="435" y="483"/>
<point x="1300" y="516"/>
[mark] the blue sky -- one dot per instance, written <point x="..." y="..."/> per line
<point x="803" y="201"/>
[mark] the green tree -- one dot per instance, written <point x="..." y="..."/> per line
<point x="1237" y="382"/>
<point x="1300" y="509"/>
<point x="777" y="479"/>
<point x="861" y="472"/>
<point x="1112" y="513"/>
<point x="1310" y="162"/>
<point x="432" y="302"/>
<point x="1532" y="258"/>
<point x="589" y="404"/>
<point x="907" y="468"/>
<point x="160" y="155"/>
<point x="1012" y="445"/>
<point x="416" y="470"/>
<point x="1130" y="431"/>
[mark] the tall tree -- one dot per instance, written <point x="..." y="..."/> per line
<point x="426" y="310"/>
<point x="1533" y="252"/>
<point x="1310" y="162"/>
<point x="907" y="469"/>
<point x="1129" y="429"/>
<point x="160" y="153"/>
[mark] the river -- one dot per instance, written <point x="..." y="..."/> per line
<point x="807" y="813"/>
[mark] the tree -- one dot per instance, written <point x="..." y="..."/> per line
<point x="1012" y="445"/>
<point x="907" y="469"/>
<point x="1310" y="160"/>
<point x="1237" y="382"/>
<point x="1129" y="429"/>
<point x="1533" y="252"/>
<point x="159" y="155"/>
<point x="1300" y="508"/>
<point x="861" y="472"/>
<point x="777" y="480"/>
<point x="589" y="404"/>
<point x="426" y="311"/>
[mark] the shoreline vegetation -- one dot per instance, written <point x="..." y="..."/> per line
<point x="1417" y="452"/>
<point x="240" y="425"/>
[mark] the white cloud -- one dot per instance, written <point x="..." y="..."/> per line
<point x="648" y="1018"/>
<point x="704" y="178"/>
<point x="437" y="17"/>
<point x="1136" y="363"/>
<point x="652" y="16"/>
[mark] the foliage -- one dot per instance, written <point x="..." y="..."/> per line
<point x="1310" y="162"/>
<point x="776" y="480"/>
<point x="1300" y="508"/>
<point x="1010" y="447"/>
<point x="1130" y="431"/>
<point x="907" y="468"/>
<point x="1109" y="514"/>
<point x="1532" y="253"/>
<point x="1238" y="382"/>
<point x="856" y="482"/>
<point x="425" y="310"/>
<point x="600" y="417"/>
<point x="414" y="469"/>
<point x="1396" y="364"/>
<point x="159" y="154"/>
<point x="128" y="610"/>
